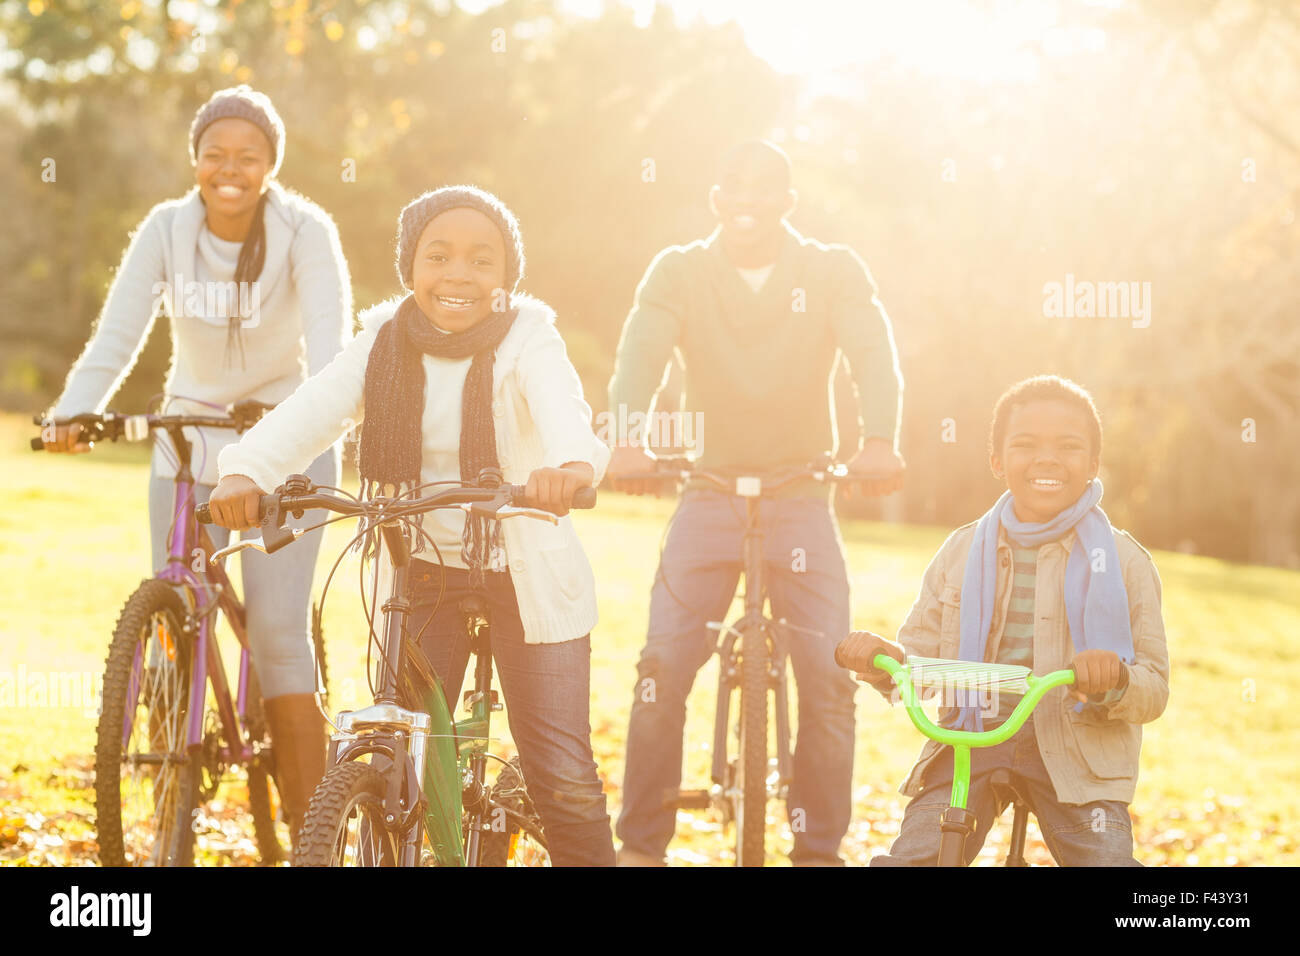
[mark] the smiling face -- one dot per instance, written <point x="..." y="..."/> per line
<point x="752" y="196"/>
<point x="460" y="263"/>
<point x="233" y="168"/>
<point x="1046" y="457"/>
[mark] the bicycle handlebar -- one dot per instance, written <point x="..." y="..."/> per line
<point x="483" y="501"/>
<point x="112" y="426"/>
<point x="1038" y="686"/>
<point x="680" y="469"/>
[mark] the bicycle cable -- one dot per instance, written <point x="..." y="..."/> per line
<point x="372" y="642"/>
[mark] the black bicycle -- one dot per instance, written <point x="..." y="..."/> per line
<point x="752" y="653"/>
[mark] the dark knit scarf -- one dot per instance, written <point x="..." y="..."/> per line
<point x="391" y="442"/>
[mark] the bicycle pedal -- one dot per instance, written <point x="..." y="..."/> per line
<point x="691" y="800"/>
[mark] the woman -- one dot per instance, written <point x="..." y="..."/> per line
<point x="285" y="317"/>
<point x="465" y="374"/>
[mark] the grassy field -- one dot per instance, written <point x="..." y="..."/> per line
<point x="1219" y="769"/>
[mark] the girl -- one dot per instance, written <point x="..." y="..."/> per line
<point x="254" y="280"/>
<point x="465" y="373"/>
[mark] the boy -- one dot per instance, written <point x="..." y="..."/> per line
<point x="1034" y="583"/>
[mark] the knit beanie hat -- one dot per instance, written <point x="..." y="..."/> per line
<point x="246" y="103"/>
<point x="421" y="210"/>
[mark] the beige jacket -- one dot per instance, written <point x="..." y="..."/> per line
<point x="1091" y="755"/>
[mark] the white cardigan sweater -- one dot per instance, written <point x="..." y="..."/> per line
<point x="305" y="313"/>
<point x="542" y="420"/>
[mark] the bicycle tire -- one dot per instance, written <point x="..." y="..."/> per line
<point x="751" y="803"/>
<point x="530" y="847"/>
<point x="344" y="790"/>
<point x="173" y="843"/>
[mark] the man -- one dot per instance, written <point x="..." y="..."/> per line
<point x="759" y="317"/>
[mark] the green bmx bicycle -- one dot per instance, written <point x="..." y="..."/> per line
<point x="928" y="673"/>
<point x="407" y="785"/>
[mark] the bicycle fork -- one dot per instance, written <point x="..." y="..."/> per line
<point x="481" y="701"/>
<point x="729" y="680"/>
<point x="388" y="729"/>
<point x="957" y="823"/>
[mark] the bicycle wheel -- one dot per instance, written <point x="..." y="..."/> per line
<point x="146" y="785"/>
<point x="269" y="827"/>
<point x="344" y="825"/>
<point x="511" y="843"/>
<point x="751" y="800"/>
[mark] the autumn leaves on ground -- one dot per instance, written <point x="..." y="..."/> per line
<point x="1218" y="769"/>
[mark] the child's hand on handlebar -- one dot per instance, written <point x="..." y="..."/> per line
<point x="1096" y="672"/>
<point x="552" y="489"/>
<point x="235" y="503"/>
<point x="858" y="651"/>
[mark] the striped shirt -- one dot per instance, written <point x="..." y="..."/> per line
<point x="1017" y="644"/>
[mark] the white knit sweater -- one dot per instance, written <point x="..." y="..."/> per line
<point x="304" y="314"/>
<point x="542" y="420"/>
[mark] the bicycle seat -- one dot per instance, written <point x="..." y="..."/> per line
<point x="1002" y="779"/>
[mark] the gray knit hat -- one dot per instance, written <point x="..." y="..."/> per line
<point x="422" y="209"/>
<point x="246" y="103"/>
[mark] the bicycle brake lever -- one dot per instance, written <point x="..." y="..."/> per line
<point x="510" y="511"/>
<point x="247" y="544"/>
<point x="513" y="511"/>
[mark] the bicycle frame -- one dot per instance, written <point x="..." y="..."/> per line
<point x="755" y="595"/>
<point x="726" y="790"/>
<point x="439" y="760"/>
<point x="187" y="538"/>
<point x="434" y="788"/>
<point x="958" y="823"/>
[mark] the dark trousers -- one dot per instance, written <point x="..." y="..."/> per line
<point x="808" y="586"/>
<point x="547" y="690"/>
<point x="1090" y="834"/>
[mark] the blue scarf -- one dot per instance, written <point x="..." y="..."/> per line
<point x="1096" y="601"/>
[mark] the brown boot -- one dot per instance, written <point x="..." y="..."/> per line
<point x="298" y="744"/>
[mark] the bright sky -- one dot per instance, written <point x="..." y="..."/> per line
<point x="954" y="37"/>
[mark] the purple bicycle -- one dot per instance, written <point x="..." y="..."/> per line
<point x="163" y="744"/>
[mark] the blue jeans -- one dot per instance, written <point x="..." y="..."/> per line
<point x="276" y="587"/>
<point x="547" y="690"/>
<point x="808" y="586"/>
<point x="1090" y="834"/>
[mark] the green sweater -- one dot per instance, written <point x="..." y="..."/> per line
<point x="759" y="365"/>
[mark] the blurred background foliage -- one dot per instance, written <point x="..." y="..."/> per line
<point x="1161" y="149"/>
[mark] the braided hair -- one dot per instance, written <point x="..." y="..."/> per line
<point x="248" y="268"/>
